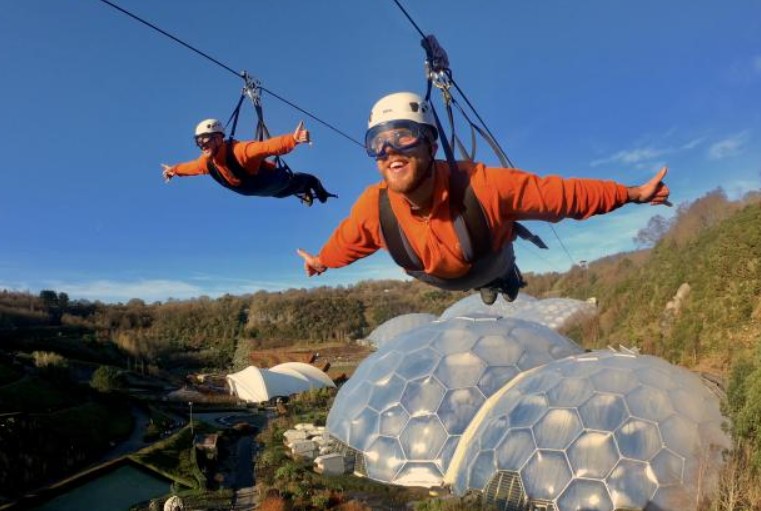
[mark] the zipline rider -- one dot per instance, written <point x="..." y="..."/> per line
<point x="241" y="165"/>
<point x="421" y="211"/>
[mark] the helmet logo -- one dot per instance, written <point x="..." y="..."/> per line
<point x="414" y="107"/>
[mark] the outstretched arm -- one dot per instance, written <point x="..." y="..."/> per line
<point x="191" y="168"/>
<point x="653" y="192"/>
<point x="312" y="264"/>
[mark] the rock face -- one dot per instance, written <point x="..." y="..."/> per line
<point x="674" y="308"/>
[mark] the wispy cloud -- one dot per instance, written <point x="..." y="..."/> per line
<point x="632" y="156"/>
<point x="728" y="147"/>
<point x="116" y="291"/>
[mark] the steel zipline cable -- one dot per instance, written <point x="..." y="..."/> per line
<point x="486" y="128"/>
<point x="231" y="70"/>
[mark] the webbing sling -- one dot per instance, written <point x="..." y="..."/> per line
<point x="232" y="163"/>
<point x="470" y="225"/>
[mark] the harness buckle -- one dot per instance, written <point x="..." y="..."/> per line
<point x="252" y="89"/>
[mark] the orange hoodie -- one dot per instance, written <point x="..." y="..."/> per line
<point x="250" y="155"/>
<point x="506" y="195"/>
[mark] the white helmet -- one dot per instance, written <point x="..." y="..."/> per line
<point x="208" y="126"/>
<point x="402" y="106"/>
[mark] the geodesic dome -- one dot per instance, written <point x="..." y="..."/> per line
<point x="555" y="313"/>
<point x="407" y="404"/>
<point x="398" y="325"/>
<point x="473" y="304"/>
<point x="599" y="431"/>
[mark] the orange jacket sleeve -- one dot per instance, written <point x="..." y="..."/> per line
<point x="358" y="235"/>
<point x="191" y="168"/>
<point x="521" y="195"/>
<point x="251" y="154"/>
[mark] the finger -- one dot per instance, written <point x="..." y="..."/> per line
<point x="660" y="175"/>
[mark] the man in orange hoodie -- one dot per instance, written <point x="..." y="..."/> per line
<point x="418" y="211"/>
<point x="242" y="167"/>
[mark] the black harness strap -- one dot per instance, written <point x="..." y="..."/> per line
<point x="469" y="221"/>
<point x="232" y="163"/>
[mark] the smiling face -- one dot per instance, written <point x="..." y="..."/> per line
<point x="405" y="170"/>
<point x="209" y="143"/>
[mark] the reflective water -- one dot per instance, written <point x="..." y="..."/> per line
<point x="115" y="491"/>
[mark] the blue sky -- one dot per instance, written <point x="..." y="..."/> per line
<point x="96" y="102"/>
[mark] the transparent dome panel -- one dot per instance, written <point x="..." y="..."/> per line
<point x="557" y="428"/>
<point x="671" y="497"/>
<point x="363" y="429"/>
<point x="419" y="474"/>
<point x="495" y="377"/>
<point x="457" y="338"/>
<point x="617" y="381"/>
<point x="460" y="370"/>
<point x="393" y="420"/>
<point x="515" y="449"/>
<point x="582" y="495"/>
<point x="528" y="410"/>
<point x="423" y="438"/>
<point x="593" y="455"/>
<point x="667" y="467"/>
<point x="638" y="439"/>
<point x="499" y="350"/>
<point x="546" y="475"/>
<point x="458" y="409"/>
<point x="445" y="456"/>
<point x="689" y="403"/>
<point x="481" y="470"/>
<point x="422" y="397"/>
<point x="384" y="458"/>
<point x="605" y="412"/>
<point x="492" y="434"/>
<point x="570" y="392"/>
<point x="386" y="391"/>
<point x="418" y="363"/>
<point x="649" y="403"/>
<point x="681" y="436"/>
<point x="383" y="365"/>
<point x="631" y="485"/>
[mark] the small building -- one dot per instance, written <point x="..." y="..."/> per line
<point x="330" y="464"/>
<point x="207" y="444"/>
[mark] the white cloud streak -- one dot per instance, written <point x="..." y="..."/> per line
<point x="728" y="147"/>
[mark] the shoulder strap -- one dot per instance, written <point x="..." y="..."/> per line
<point x="396" y="242"/>
<point x="470" y="220"/>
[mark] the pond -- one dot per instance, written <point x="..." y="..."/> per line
<point x="114" y="491"/>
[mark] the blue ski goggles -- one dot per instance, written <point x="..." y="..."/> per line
<point x="399" y="135"/>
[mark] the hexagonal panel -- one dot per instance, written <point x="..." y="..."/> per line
<point x="385" y="391"/>
<point x="459" y="407"/>
<point x="631" y="484"/>
<point x="496" y="377"/>
<point x="593" y="455"/>
<point x="416" y="473"/>
<point x="363" y="429"/>
<point x="546" y="475"/>
<point x="605" y="412"/>
<point x="668" y="467"/>
<point x="422" y="397"/>
<point x="393" y="420"/>
<point x="649" y="403"/>
<point x="585" y="495"/>
<point x="385" y="363"/>
<point x="384" y="458"/>
<point x="638" y="440"/>
<point x="460" y="370"/>
<point x="457" y="339"/>
<point x="498" y="351"/>
<point x="515" y="450"/>
<point x="423" y="437"/>
<point x="481" y="469"/>
<point x="557" y="428"/>
<point x="619" y="381"/>
<point x="418" y="363"/>
<point x="570" y="392"/>
<point x="528" y="410"/>
<point x="681" y="436"/>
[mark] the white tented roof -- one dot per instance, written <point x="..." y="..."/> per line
<point x="257" y="385"/>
